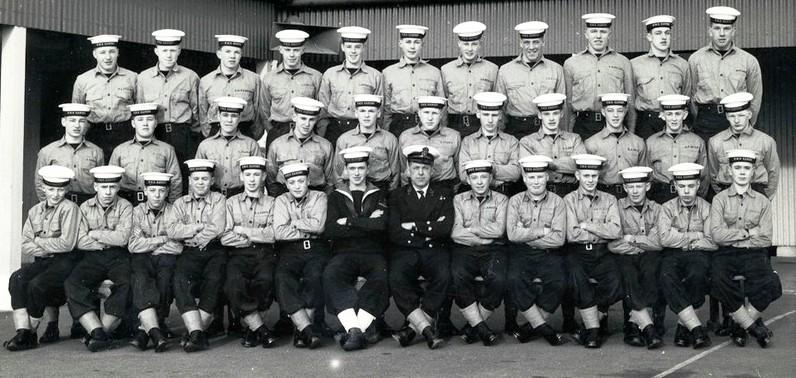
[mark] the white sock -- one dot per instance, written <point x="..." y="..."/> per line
<point x="21" y="319"/>
<point x="534" y="316"/>
<point x="90" y="321"/>
<point x="545" y="314"/>
<point x="34" y="323"/>
<point x="348" y="318"/>
<point x="148" y="319"/>
<point x="300" y="319"/>
<point x="419" y="319"/>
<point x="192" y="320"/>
<point x="253" y="321"/>
<point x="590" y="317"/>
<point x="472" y="315"/>
<point x="485" y="314"/>
<point x="741" y="316"/>
<point x="753" y="313"/>
<point x="641" y="318"/>
<point x="365" y="319"/>
<point x="206" y="318"/>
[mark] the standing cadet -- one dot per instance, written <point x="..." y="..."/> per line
<point x="355" y="224"/>
<point x="657" y="73"/>
<point x="49" y="236"/>
<point x="232" y="80"/>
<point x="742" y="251"/>
<point x="619" y="146"/>
<point x="684" y="232"/>
<point x="536" y="223"/>
<point x="592" y="222"/>
<point x="721" y="69"/>
<point x="420" y="221"/>
<point x="108" y="89"/>
<point x="341" y="82"/>
<point x="249" y="241"/>
<point x="675" y="144"/>
<point x="384" y="166"/>
<point x="152" y="261"/>
<point x="430" y="132"/>
<point x="479" y="249"/>
<point x="637" y="257"/>
<point x="291" y="78"/>
<point x="526" y="77"/>
<point x="467" y="75"/>
<point x="145" y="153"/>
<point x="175" y="89"/>
<point x="103" y="236"/>
<point x="299" y="220"/>
<point x="598" y="69"/>
<point x="409" y="79"/>
<point x="199" y="273"/>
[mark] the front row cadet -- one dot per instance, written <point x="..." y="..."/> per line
<point x="201" y="217"/>
<point x="536" y="223"/>
<point x="299" y="219"/>
<point x="592" y="222"/>
<point x="741" y="224"/>
<point x="49" y="236"/>
<point x="479" y="250"/>
<point x="684" y="268"/>
<point x="104" y="233"/>
<point x="249" y="240"/>
<point x="152" y="261"/>
<point x="355" y="224"/>
<point x="420" y="221"/>
<point x="637" y="257"/>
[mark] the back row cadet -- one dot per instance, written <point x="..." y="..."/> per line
<point x="430" y="132"/>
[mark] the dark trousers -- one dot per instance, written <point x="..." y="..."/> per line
<point x="617" y="190"/>
<point x="684" y="278"/>
<point x="97" y="266"/>
<point x="109" y="135"/>
<point x="153" y="282"/>
<point x="406" y="265"/>
<point x="536" y="277"/>
<point x="299" y="277"/>
<point x="40" y="284"/>
<point x="489" y="262"/>
<point x="134" y="197"/>
<point x="199" y="273"/>
<point x="184" y="141"/>
<point x="340" y="279"/>
<point x="401" y="122"/>
<point x="640" y="278"/>
<point x="597" y="264"/>
<point x="709" y="121"/>
<point x="245" y="128"/>
<point x="338" y="126"/>
<point x="277" y="130"/>
<point x="249" y="283"/>
<point x="648" y="123"/>
<point x="465" y="124"/>
<point x="562" y="188"/>
<point x="762" y="285"/>
<point x="662" y="192"/>
<point x="522" y="126"/>
<point x="588" y="123"/>
<point x="79" y="198"/>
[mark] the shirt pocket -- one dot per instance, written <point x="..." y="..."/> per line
<point x="112" y="221"/>
<point x="615" y="77"/>
<point x="180" y="96"/>
<point x="428" y="87"/>
<point x="752" y="217"/>
<point x="157" y="161"/>
<point x="125" y="95"/>
<point x="547" y="85"/>
<point x="738" y="80"/>
<point x="643" y="85"/>
<point x="244" y="93"/>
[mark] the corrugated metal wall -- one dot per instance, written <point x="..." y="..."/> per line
<point x="135" y="20"/>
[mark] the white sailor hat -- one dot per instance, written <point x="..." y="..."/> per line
<point x="156" y="178"/>
<point x="636" y="174"/>
<point x="723" y="15"/>
<point x="422" y="154"/>
<point x="737" y="102"/>
<point x="231" y="40"/>
<point x="686" y="171"/>
<point x="367" y="100"/>
<point x="550" y="101"/>
<point x="741" y="156"/>
<point x="598" y="20"/>
<point x="475" y="166"/>
<point x="56" y="175"/>
<point x="105" y="40"/>
<point x="431" y="102"/>
<point x="143" y="108"/>
<point x="489" y="100"/>
<point x="306" y="105"/>
<point x="411" y="31"/>
<point x="292" y="37"/>
<point x="531" y="29"/>
<point x="107" y="173"/>
<point x="469" y="30"/>
<point x="252" y="162"/>
<point x="168" y="37"/>
<point x="230" y="104"/>
<point x="659" y="21"/>
<point x="357" y="154"/>
<point x="200" y="165"/>
<point x="673" y="102"/>
<point x="294" y="169"/>
<point x="353" y="34"/>
<point x="72" y="109"/>
<point x="535" y="163"/>
<point x="588" y="161"/>
<point x="608" y="99"/>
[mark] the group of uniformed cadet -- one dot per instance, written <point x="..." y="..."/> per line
<point x="535" y="184"/>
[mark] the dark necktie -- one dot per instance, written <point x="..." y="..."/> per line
<point x="421" y="194"/>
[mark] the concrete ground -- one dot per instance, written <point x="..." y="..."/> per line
<point x="509" y="358"/>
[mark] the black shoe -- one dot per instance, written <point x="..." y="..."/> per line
<point x="373" y="335"/>
<point x="510" y="325"/>
<point x="77" y="331"/>
<point x="298" y="339"/>
<point x="165" y="330"/>
<point x="445" y="327"/>
<point x="311" y="339"/>
<point x="725" y="328"/>
<point x="434" y="341"/>
<point x="738" y="335"/>
<point x="469" y="334"/>
<point x="591" y="338"/>
<point x="761" y="334"/>
<point x="267" y="339"/>
<point x="524" y="333"/>
<point x="568" y="325"/>
<point x="24" y="339"/>
<point x="354" y="340"/>
<point x="98" y="340"/>
<point x="215" y="329"/>
<point x="404" y="336"/>
<point x="323" y="329"/>
<point x="140" y="340"/>
<point x="700" y="337"/>
<point x="487" y="336"/>
<point x="651" y="338"/>
<point x="633" y="335"/>
<point x="553" y="338"/>
<point x="760" y="323"/>
<point x="51" y="334"/>
<point x="283" y="326"/>
<point x="158" y="340"/>
<point x="123" y="331"/>
<point x="249" y="339"/>
<point x="197" y="341"/>
<point x="682" y="337"/>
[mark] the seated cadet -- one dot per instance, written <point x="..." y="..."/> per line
<point x="618" y="145"/>
<point x="489" y="143"/>
<point x="741" y="224"/>
<point x="536" y="222"/>
<point x="355" y="224"/>
<point x="153" y="259"/>
<point x="249" y="241"/>
<point x="592" y="222"/>
<point x="299" y="219"/>
<point x="49" y="236"/>
<point x="684" y="232"/>
<point x="145" y="153"/>
<point x="419" y="225"/>
<point x="201" y="217"/>
<point x="479" y="228"/>
<point x="104" y="233"/>
<point x="384" y="162"/>
<point x="637" y="257"/>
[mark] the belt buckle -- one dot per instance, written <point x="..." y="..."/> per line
<point x="307" y="245"/>
<point x="720" y="108"/>
<point x="466" y="120"/>
<point x="73" y="197"/>
<point x="598" y="116"/>
<point x="139" y="196"/>
<point x="672" y="189"/>
<point x="108" y="127"/>
<point x="618" y="189"/>
<point x="589" y="246"/>
<point x="224" y="191"/>
<point x="168" y="127"/>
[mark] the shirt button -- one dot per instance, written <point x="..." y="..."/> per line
<point x="555" y="157"/>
